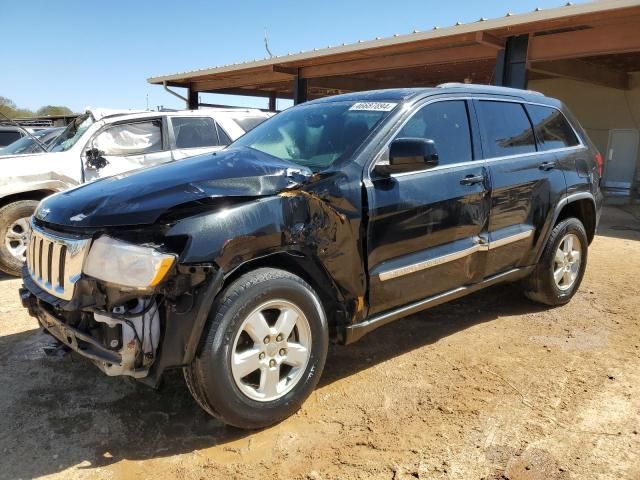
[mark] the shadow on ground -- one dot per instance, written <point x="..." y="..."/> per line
<point x="61" y="412"/>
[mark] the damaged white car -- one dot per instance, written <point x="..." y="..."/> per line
<point x="101" y="143"/>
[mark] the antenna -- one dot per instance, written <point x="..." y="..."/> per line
<point x="266" y="44"/>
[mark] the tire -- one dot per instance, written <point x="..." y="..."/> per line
<point x="12" y="224"/>
<point x="541" y="286"/>
<point x="235" y="331"/>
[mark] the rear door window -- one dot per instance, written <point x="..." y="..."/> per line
<point x="447" y="124"/>
<point x="552" y="128"/>
<point x="194" y="132"/>
<point x="506" y="128"/>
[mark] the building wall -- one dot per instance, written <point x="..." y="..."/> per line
<point x="599" y="109"/>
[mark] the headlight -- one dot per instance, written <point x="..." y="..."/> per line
<point x="123" y="263"/>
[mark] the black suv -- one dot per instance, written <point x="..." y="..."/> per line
<point x="329" y="220"/>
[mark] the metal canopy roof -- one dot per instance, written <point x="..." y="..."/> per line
<point x="427" y="58"/>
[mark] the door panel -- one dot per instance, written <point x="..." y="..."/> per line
<point x="522" y="198"/>
<point x="425" y="234"/>
<point x="427" y="229"/>
<point x="526" y="181"/>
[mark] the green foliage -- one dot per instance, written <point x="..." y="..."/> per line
<point x="53" y="110"/>
<point x="11" y="110"/>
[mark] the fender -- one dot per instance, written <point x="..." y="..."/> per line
<point x="564" y="201"/>
<point x="22" y="186"/>
<point x="296" y="222"/>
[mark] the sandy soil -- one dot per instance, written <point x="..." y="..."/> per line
<point x="491" y="386"/>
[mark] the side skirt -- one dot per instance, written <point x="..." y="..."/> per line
<point x="357" y="331"/>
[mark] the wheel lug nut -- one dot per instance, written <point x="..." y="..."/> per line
<point x="272" y="363"/>
<point x="279" y="338"/>
<point x="266" y="339"/>
<point x="261" y="356"/>
<point x="283" y="352"/>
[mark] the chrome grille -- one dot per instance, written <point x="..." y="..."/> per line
<point x="54" y="262"/>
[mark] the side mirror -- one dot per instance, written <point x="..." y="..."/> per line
<point x="95" y="159"/>
<point x="410" y="154"/>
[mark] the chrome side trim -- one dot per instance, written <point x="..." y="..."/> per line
<point x="450" y="257"/>
<point x="433" y="262"/>
<point x="510" y="239"/>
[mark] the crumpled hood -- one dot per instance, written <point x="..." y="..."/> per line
<point x="141" y="197"/>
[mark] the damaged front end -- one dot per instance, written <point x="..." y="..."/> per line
<point x="124" y="271"/>
<point x="134" y="330"/>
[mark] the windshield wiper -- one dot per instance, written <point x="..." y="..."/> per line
<point x="38" y="142"/>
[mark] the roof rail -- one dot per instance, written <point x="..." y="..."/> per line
<point x="487" y="87"/>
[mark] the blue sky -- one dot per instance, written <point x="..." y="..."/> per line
<point x="81" y="53"/>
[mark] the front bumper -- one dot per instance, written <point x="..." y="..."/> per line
<point x="178" y="341"/>
<point x="73" y="338"/>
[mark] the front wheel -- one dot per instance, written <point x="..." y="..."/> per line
<point x="559" y="273"/>
<point x="263" y="352"/>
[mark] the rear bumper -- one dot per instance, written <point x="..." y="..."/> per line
<point x="73" y="338"/>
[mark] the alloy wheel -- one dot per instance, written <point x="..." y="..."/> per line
<point x="16" y="238"/>
<point x="271" y="350"/>
<point x="567" y="260"/>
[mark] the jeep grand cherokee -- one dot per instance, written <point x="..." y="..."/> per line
<point x="327" y="221"/>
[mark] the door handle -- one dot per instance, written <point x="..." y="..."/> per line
<point x="546" y="166"/>
<point x="472" y="179"/>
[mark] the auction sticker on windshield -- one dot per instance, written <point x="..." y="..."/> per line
<point x="373" y="106"/>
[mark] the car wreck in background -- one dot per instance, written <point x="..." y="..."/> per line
<point x="36" y="142"/>
<point x="101" y="143"/>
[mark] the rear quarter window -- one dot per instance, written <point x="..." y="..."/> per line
<point x="552" y="128"/>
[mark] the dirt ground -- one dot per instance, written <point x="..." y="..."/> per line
<point x="491" y="386"/>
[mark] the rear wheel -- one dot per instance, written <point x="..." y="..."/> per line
<point x="15" y="232"/>
<point x="559" y="273"/>
<point x="263" y="352"/>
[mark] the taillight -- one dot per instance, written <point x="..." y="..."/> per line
<point x="599" y="163"/>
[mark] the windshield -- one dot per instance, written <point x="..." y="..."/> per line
<point x="316" y="135"/>
<point x="24" y="145"/>
<point x="72" y="133"/>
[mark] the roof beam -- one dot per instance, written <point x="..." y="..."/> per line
<point x="241" y="81"/>
<point x="584" y="71"/>
<point x="354" y="84"/>
<point x="601" y="40"/>
<point x="405" y="60"/>
<point x="288" y="70"/>
<point x="484" y="38"/>
<point x="252" y="92"/>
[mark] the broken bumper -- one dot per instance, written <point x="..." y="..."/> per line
<point x="73" y="338"/>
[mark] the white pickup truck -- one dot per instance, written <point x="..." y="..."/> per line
<point x="101" y="143"/>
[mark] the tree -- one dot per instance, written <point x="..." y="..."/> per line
<point x="7" y="107"/>
<point x="53" y="110"/>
